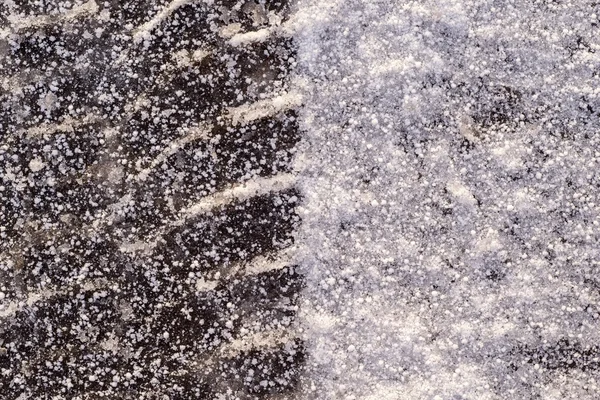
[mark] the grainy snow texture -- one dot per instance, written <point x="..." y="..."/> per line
<point x="450" y="234"/>
<point x="230" y="199"/>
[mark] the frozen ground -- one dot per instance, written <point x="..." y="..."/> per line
<point x="450" y="220"/>
<point x="156" y="157"/>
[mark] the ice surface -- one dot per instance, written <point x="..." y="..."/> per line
<point x="147" y="200"/>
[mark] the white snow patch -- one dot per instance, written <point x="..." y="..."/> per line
<point x="450" y="212"/>
<point x="36" y="164"/>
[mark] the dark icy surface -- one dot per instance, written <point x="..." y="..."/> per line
<point x="142" y="214"/>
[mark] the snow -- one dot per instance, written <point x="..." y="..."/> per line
<point x="450" y="213"/>
<point x="36" y="165"/>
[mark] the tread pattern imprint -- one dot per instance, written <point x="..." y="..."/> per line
<point x="147" y="200"/>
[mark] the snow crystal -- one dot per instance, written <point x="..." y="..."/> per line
<point x="36" y="165"/>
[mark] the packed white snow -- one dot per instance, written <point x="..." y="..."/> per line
<point x="450" y="218"/>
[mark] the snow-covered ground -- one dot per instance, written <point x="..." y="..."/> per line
<point x="450" y="218"/>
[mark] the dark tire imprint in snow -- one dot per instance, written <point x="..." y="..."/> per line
<point x="133" y="262"/>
